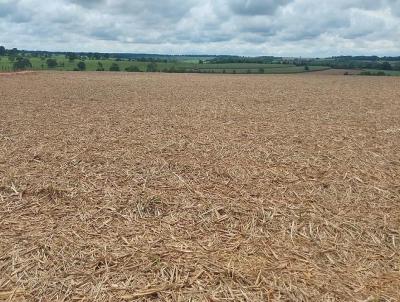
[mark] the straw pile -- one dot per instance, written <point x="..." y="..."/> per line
<point x="162" y="187"/>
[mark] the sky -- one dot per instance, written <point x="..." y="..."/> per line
<point x="307" y="28"/>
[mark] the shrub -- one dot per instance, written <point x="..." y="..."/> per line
<point x="132" y="68"/>
<point x="114" y="67"/>
<point x="100" y="66"/>
<point x="151" y="67"/>
<point x="22" y="64"/>
<point x="261" y="70"/>
<point x="306" y="68"/>
<point x="51" y="63"/>
<point x="81" y="66"/>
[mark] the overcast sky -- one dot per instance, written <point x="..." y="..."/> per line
<point x="242" y="27"/>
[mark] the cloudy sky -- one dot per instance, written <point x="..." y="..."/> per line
<point x="242" y="27"/>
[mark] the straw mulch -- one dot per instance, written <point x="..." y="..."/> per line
<point x="161" y="187"/>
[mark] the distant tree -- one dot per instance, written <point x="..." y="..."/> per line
<point x="71" y="56"/>
<point x="132" y="68"/>
<point x="151" y="67"/>
<point x="396" y="66"/>
<point x="172" y="69"/>
<point x="51" y="63"/>
<point x="201" y="62"/>
<point x="306" y="68"/>
<point x="261" y="70"/>
<point x="386" y="66"/>
<point x="114" y="67"/>
<point x="13" y="52"/>
<point x="81" y="66"/>
<point x="224" y="71"/>
<point x="22" y="63"/>
<point x="2" y="51"/>
<point x="100" y="66"/>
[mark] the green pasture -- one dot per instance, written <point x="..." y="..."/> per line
<point x="65" y="64"/>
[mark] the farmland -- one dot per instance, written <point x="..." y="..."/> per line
<point x="63" y="64"/>
<point x="193" y="187"/>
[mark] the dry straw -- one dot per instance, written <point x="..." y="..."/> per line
<point x="160" y="187"/>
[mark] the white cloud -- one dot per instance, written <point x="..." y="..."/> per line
<point x="245" y="27"/>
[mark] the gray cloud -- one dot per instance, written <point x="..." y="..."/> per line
<point x="245" y="27"/>
<point x="256" y="7"/>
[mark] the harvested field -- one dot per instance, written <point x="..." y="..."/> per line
<point x="174" y="187"/>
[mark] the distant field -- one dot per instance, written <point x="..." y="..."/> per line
<point x="184" y="66"/>
<point x="388" y="72"/>
<point x="197" y="187"/>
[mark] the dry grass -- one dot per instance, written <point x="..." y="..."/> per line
<point x="161" y="187"/>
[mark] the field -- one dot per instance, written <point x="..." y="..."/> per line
<point x="185" y="65"/>
<point x="193" y="187"/>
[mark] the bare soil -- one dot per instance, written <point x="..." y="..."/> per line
<point x="174" y="187"/>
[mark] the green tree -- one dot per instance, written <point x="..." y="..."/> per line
<point x="386" y="66"/>
<point x="22" y="64"/>
<point x="132" y="68"/>
<point x="13" y="52"/>
<point x="100" y="66"/>
<point x="114" y="67"/>
<point x="71" y="56"/>
<point x="81" y="66"/>
<point x="2" y="51"/>
<point x="151" y="67"/>
<point x="51" y="63"/>
<point x="261" y="70"/>
<point x="306" y="68"/>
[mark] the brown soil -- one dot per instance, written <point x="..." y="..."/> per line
<point x="173" y="187"/>
<point x="15" y="73"/>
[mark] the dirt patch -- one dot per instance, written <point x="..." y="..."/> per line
<point x="171" y="187"/>
<point x="6" y="74"/>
